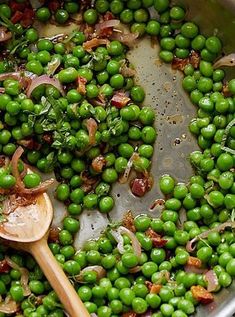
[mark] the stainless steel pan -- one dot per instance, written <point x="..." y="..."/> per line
<point x="174" y="112"/>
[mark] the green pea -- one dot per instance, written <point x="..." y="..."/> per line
<point x="68" y="75"/>
<point x="43" y="14"/>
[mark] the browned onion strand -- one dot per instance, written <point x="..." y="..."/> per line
<point x="190" y="247"/>
<point x="19" y="183"/>
<point x="92" y="126"/>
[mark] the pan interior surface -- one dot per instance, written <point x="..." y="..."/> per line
<point x="174" y="111"/>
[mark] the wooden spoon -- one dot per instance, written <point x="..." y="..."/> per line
<point x="26" y="229"/>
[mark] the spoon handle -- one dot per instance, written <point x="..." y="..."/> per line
<point x="57" y="278"/>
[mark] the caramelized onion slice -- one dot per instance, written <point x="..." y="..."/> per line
<point x="92" y="126"/>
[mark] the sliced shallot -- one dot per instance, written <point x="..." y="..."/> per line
<point x="124" y="178"/>
<point x="212" y="280"/>
<point x="44" y="80"/>
<point x="128" y="39"/>
<point x="9" y="306"/>
<point x="24" y="275"/>
<point x="96" y="268"/>
<point x="190" y="247"/>
<point x="5" y="34"/>
<point x="19" y="183"/>
<point x="106" y="25"/>
<point x="119" y="239"/>
<point x="228" y="60"/>
<point x="135" y="243"/>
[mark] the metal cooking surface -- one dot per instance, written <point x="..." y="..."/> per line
<point x="174" y="112"/>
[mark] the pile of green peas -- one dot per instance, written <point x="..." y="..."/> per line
<point x="208" y="198"/>
<point x="118" y="132"/>
<point x="120" y="291"/>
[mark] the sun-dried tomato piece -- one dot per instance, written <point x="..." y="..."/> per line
<point x="194" y="59"/>
<point x="153" y="288"/>
<point x="48" y="138"/>
<point x="157" y="240"/>
<point x="194" y="261"/>
<point x="98" y="163"/>
<point x="53" y="5"/>
<point x="179" y="63"/>
<point x="129" y="314"/>
<point x="17" y="16"/>
<point x="17" y="6"/>
<point x="81" y="85"/>
<point x="128" y="221"/>
<point x="120" y="100"/>
<point x="139" y="187"/>
<point x="4" y="266"/>
<point x="201" y="294"/>
<point x="54" y="235"/>
<point x="28" y="17"/>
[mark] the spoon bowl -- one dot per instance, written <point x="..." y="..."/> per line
<point x="26" y="228"/>
<point x="28" y="223"/>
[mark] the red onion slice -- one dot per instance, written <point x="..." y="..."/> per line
<point x="128" y="39"/>
<point x="21" y="190"/>
<point x="193" y="269"/>
<point x="44" y="80"/>
<point x="135" y="243"/>
<point x="124" y="178"/>
<point x="96" y="268"/>
<point x="24" y="275"/>
<point x="9" y="306"/>
<point x="190" y="247"/>
<point x="228" y="60"/>
<point x="106" y="24"/>
<point x="119" y="239"/>
<point x="5" y="34"/>
<point x="212" y="280"/>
